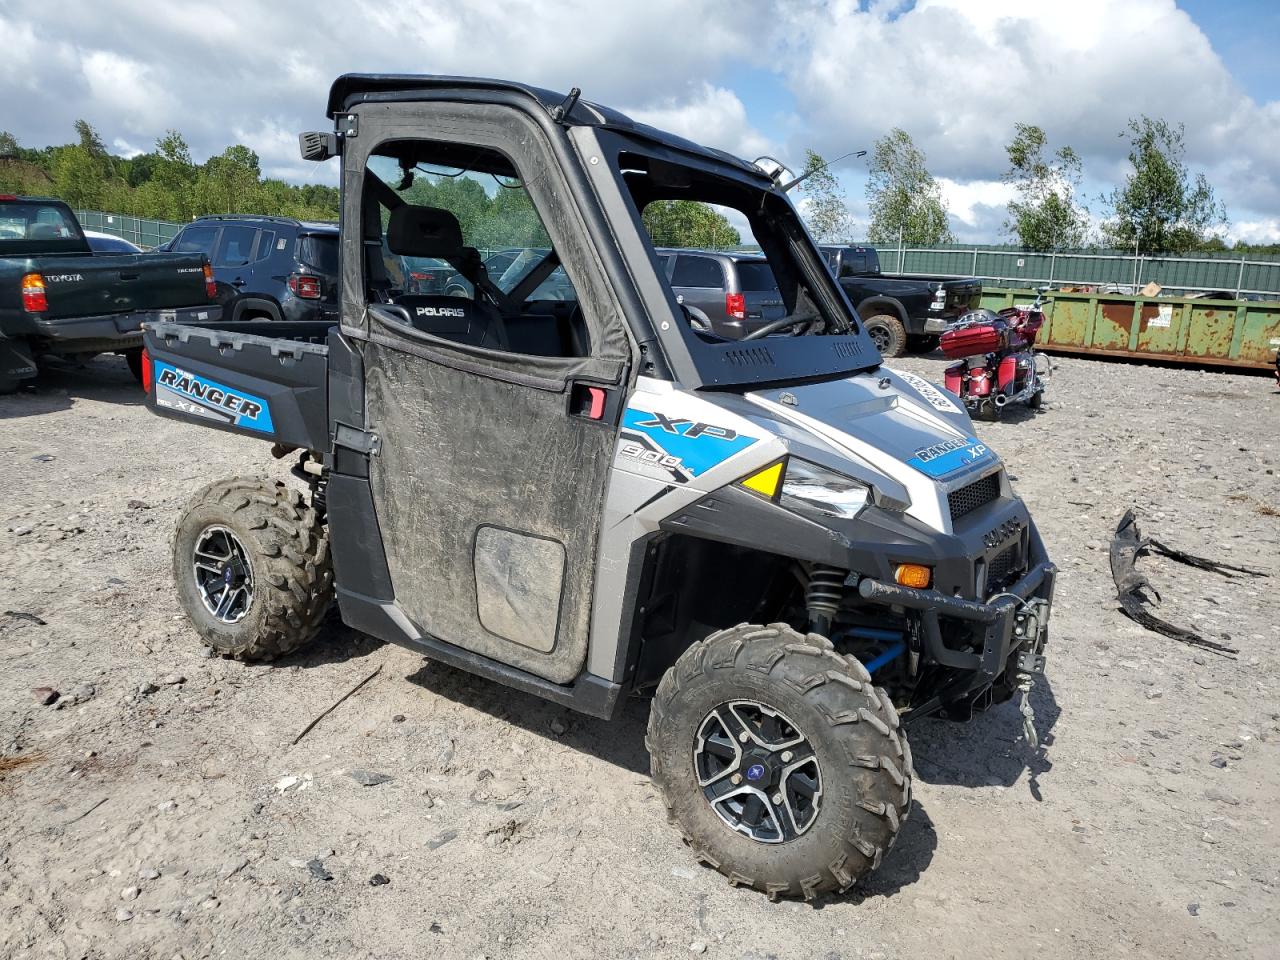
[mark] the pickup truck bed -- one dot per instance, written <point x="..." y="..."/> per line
<point x="264" y="379"/>
<point x="58" y="297"/>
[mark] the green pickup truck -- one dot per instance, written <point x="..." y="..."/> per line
<point x="57" y="297"/>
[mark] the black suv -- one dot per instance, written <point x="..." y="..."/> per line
<point x="727" y="294"/>
<point x="268" y="268"/>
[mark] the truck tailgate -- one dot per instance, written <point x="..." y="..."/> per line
<point x="95" y="285"/>
<point x="272" y="387"/>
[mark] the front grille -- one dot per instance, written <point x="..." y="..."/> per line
<point x="1001" y="569"/>
<point x="969" y="498"/>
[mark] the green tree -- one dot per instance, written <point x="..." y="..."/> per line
<point x="82" y="170"/>
<point x="688" y="223"/>
<point x="1161" y="208"/>
<point x="228" y="183"/>
<point x="170" y="193"/>
<point x="825" y="209"/>
<point x="1045" y="214"/>
<point x="906" y="201"/>
<point x="8" y="144"/>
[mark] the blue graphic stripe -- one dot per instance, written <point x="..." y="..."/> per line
<point x="967" y="453"/>
<point x="244" y="409"/>
<point x="699" y="446"/>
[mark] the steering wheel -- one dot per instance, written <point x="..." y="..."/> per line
<point x="783" y="324"/>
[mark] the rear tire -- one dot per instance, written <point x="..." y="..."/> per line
<point x="1036" y="400"/>
<point x="988" y="412"/>
<point x="923" y="342"/>
<point x="889" y="335"/>
<point x="863" y="763"/>
<point x="262" y="535"/>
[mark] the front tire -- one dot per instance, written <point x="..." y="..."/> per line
<point x="888" y="334"/>
<point x="251" y="564"/>
<point x="739" y="710"/>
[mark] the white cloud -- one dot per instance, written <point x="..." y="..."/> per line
<point x="124" y="148"/>
<point x="710" y="115"/>
<point x="956" y="74"/>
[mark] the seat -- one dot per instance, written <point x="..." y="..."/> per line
<point x="455" y="318"/>
<point x="416" y="231"/>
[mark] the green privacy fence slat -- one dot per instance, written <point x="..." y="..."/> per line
<point x="145" y="233"/>
<point x="1253" y="274"/>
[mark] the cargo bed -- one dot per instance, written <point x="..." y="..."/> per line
<point x="266" y="380"/>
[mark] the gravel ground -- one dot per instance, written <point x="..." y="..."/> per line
<point x="156" y="809"/>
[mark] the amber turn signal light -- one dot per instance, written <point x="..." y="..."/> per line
<point x="913" y="575"/>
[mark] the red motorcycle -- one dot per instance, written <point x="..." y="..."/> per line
<point x="997" y="359"/>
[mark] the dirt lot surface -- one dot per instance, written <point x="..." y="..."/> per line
<point x="157" y="809"/>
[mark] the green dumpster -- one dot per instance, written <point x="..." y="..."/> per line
<point x="1233" y="333"/>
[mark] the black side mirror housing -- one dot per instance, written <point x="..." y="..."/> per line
<point x="314" y="145"/>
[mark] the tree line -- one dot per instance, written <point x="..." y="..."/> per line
<point x="1162" y="207"/>
<point x="166" y="184"/>
<point x="162" y="184"/>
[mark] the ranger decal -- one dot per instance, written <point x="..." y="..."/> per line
<point x="948" y="456"/>
<point x="932" y="395"/>
<point x="199" y="397"/>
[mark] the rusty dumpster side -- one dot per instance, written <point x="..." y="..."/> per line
<point x="1232" y="333"/>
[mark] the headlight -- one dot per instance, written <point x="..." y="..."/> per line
<point x="808" y="488"/>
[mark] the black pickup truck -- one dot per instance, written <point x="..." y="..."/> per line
<point x="59" y="297"/>
<point x="901" y="313"/>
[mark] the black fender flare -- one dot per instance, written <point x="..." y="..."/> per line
<point x="880" y="304"/>
<point x="253" y="304"/>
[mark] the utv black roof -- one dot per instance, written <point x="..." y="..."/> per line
<point x="352" y="88"/>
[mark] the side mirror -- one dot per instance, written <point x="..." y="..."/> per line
<point x="314" y="145"/>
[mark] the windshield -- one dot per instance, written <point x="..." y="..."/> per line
<point x="804" y="328"/>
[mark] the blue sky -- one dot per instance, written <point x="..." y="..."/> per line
<point x="1245" y="34"/>
<point x="752" y="78"/>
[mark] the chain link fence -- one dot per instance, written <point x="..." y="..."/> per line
<point x="145" y="233"/>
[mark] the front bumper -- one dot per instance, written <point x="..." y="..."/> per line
<point x="1014" y="621"/>
<point x="118" y="331"/>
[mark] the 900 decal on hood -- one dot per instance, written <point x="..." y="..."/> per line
<point x="200" y="397"/>
<point x="674" y="448"/>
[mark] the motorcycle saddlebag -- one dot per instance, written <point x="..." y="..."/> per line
<point x="975" y="340"/>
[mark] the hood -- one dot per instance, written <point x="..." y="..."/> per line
<point x="898" y="424"/>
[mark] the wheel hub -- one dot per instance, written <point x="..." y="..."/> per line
<point x="758" y="771"/>
<point x="223" y="574"/>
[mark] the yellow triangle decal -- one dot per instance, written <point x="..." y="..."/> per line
<point x="765" y="482"/>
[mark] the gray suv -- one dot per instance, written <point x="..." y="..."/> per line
<point x="727" y="294"/>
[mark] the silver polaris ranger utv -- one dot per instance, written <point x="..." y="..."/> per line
<point x="555" y="481"/>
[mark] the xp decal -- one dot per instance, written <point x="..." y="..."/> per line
<point x="198" y="397"/>
<point x="947" y="457"/>
<point x="675" y="447"/>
